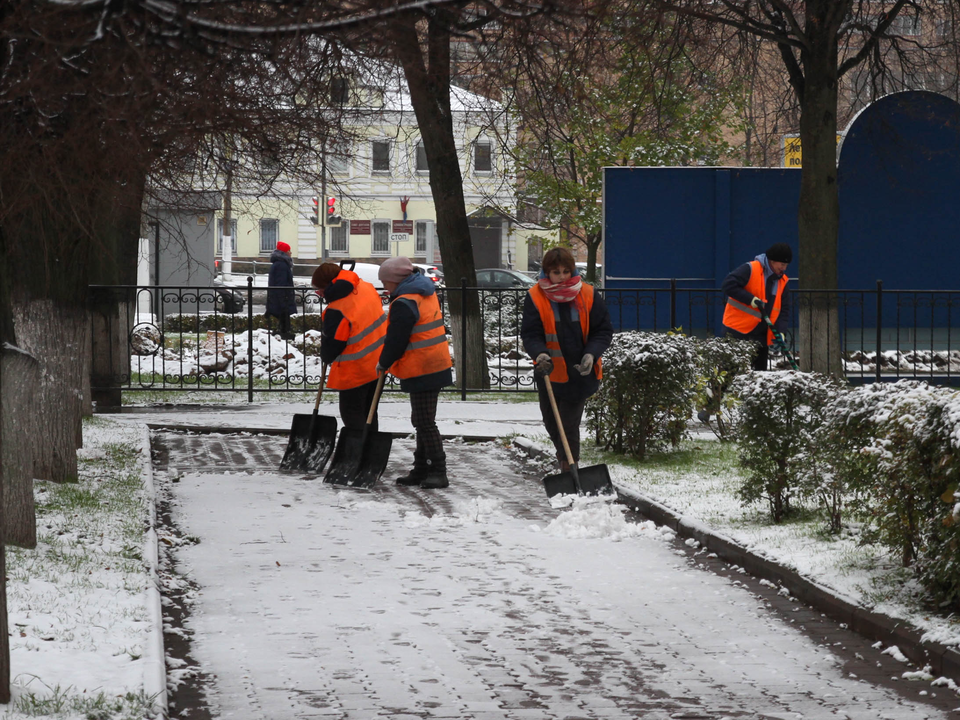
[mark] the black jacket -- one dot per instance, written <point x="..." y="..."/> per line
<point x="578" y="387"/>
<point x="280" y="301"/>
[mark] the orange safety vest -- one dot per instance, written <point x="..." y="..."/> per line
<point x="363" y="331"/>
<point x="549" y="314"/>
<point x="744" y="318"/>
<point x="427" y="351"/>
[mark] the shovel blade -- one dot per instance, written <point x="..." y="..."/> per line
<point x="358" y="462"/>
<point x="312" y="438"/>
<point x="594" y="480"/>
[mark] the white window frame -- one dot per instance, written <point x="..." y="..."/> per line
<point x="267" y="250"/>
<point x="421" y="237"/>
<point x="339" y="160"/>
<point x="345" y="228"/>
<point x="389" y="144"/>
<point x="906" y="25"/>
<point x="482" y="140"/>
<point x="417" y="150"/>
<point x="374" y="224"/>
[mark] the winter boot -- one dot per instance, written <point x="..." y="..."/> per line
<point x="420" y="469"/>
<point x="436" y="475"/>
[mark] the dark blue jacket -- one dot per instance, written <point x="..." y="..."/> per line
<point x="280" y="301"/>
<point x="733" y="286"/>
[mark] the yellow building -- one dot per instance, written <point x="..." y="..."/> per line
<point x="382" y="192"/>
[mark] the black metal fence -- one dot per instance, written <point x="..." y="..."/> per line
<point x="218" y="338"/>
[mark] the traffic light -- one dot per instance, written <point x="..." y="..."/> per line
<point x="315" y="217"/>
<point x="332" y="217"/>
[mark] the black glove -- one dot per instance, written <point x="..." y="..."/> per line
<point x="759" y="305"/>
<point x="544" y="365"/>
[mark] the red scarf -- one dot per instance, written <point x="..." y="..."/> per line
<point x="563" y="292"/>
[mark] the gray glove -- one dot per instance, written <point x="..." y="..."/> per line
<point x="544" y="365"/>
<point x="759" y="305"/>
<point x="586" y="364"/>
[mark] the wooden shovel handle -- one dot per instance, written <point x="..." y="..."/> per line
<point x="323" y="377"/>
<point x="376" y="398"/>
<point x="556" y="415"/>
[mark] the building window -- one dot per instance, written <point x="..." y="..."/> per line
<point x="269" y="234"/>
<point x="380" y="237"/>
<point x="338" y="160"/>
<point x="422" y="159"/>
<point x="421" y="229"/>
<point x="339" y="91"/>
<point x="233" y="234"/>
<point x="906" y="24"/>
<point x="483" y="156"/>
<point x="381" y="156"/>
<point x="340" y="239"/>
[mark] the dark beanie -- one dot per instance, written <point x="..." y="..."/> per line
<point x="325" y="274"/>
<point x="780" y="252"/>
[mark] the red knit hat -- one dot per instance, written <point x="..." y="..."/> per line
<point x="283" y="247"/>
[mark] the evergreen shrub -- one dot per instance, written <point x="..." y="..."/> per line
<point x="647" y="393"/>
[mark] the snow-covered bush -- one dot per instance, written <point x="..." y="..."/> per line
<point x="721" y="361"/>
<point x="912" y="463"/>
<point x="779" y="416"/>
<point x="647" y="392"/>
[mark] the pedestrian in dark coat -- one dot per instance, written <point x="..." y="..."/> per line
<point x="566" y="328"/>
<point x="280" y="297"/>
<point x="416" y="351"/>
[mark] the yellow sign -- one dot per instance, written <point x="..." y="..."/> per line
<point x="791" y="150"/>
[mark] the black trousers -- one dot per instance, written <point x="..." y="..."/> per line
<point x="761" y="358"/>
<point x="355" y="405"/>
<point x="423" y="416"/>
<point x="571" y="415"/>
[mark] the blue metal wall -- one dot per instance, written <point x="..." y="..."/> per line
<point x="899" y="184"/>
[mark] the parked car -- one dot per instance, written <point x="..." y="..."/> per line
<point x="502" y="278"/>
<point x="432" y="272"/>
<point x="228" y="300"/>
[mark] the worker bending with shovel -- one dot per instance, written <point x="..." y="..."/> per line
<point x="353" y="328"/>
<point x="565" y="328"/>
<point x="415" y="351"/>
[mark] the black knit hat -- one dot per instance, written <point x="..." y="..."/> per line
<point x="780" y="252"/>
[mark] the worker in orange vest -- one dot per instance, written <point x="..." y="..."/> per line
<point x="416" y="351"/>
<point x="565" y="328"/>
<point x="753" y="290"/>
<point x="353" y="327"/>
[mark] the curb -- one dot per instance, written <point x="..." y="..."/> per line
<point x="944" y="660"/>
<point x="154" y="659"/>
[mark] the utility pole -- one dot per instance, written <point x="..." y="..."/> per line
<point x="226" y="245"/>
<point x="323" y="200"/>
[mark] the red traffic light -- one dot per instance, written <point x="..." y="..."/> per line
<point x="331" y="206"/>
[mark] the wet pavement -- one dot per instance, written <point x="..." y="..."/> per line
<point x="307" y="601"/>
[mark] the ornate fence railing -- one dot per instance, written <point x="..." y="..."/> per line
<point x="218" y="338"/>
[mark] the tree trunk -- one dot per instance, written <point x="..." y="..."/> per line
<point x="55" y="334"/>
<point x="818" y="218"/>
<point x="428" y="82"/>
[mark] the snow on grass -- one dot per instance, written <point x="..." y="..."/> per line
<point x="78" y="617"/>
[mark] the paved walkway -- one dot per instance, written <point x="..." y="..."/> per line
<point x="480" y="602"/>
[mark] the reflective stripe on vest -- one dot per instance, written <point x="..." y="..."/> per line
<point x="550" y="315"/>
<point x="428" y="351"/>
<point x="363" y="312"/>
<point x="745" y="318"/>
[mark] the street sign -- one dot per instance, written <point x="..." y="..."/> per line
<point x="399" y="237"/>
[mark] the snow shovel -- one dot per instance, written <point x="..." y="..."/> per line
<point x="312" y="438"/>
<point x="361" y="457"/>
<point x="780" y="343"/>
<point x="593" y="480"/>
